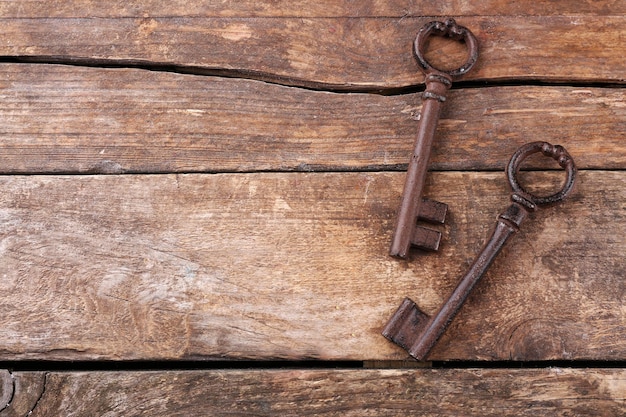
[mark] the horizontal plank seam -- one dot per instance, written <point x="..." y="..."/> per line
<point x="572" y="364"/>
<point x="247" y="172"/>
<point x="182" y="365"/>
<point x="186" y="365"/>
<point x="322" y="170"/>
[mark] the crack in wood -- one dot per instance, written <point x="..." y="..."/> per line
<point x="283" y="81"/>
<point x="7" y="397"/>
<point x="43" y="391"/>
<point x="27" y="389"/>
<point x="244" y="74"/>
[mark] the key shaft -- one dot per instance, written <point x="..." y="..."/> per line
<point x="437" y="83"/>
<point x="429" y="331"/>
<point x="434" y="97"/>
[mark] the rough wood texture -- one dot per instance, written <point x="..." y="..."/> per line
<point x="20" y="392"/>
<point x="550" y="392"/>
<point x="304" y="8"/>
<point x="276" y="265"/>
<point x="295" y="266"/>
<point x="329" y="52"/>
<point x="69" y="119"/>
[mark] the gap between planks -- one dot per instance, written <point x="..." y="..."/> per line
<point x="217" y="365"/>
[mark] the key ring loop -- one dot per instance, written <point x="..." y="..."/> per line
<point x="556" y="152"/>
<point x="450" y="29"/>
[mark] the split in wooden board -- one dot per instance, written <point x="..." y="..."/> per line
<point x="338" y="53"/>
<point x="295" y="266"/>
<point x="91" y="120"/>
<point x="426" y="392"/>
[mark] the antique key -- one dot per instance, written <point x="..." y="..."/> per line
<point x="416" y="332"/>
<point x="437" y="81"/>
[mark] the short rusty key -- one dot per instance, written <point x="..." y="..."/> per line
<point x="413" y="206"/>
<point x="416" y="332"/>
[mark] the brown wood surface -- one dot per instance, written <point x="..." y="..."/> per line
<point x="304" y="8"/>
<point x="19" y="392"/>
<point x="295" y="266"/>
<point x="445" y="392"/>
<point x="344" y="53"/>
<point x="70" y="119"/>
<point x="212" y="248"/>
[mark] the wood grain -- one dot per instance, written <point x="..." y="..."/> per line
<point x="19" y="392"/>
<point x="472" y="392"/>
<point x="295" y="266"/>
<point x="303" y="8"/>
<point x="250" y="262"/>
<point x="88" y="120"/>
<point x="340" y="53"/>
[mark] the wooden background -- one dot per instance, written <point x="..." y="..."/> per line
<point x="213" y="185"/>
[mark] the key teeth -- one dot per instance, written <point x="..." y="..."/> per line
<point x="426" y="238"/>
<point x="406" y="324"/>
<point x="433" y="211"/>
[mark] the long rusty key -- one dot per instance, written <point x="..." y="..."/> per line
<point x="416" y="332"/>
<point x="438" y="82"/>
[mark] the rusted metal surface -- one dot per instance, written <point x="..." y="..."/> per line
<point x="437" y="84"/>
<point x="415" y="331"/>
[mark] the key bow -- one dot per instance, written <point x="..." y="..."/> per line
<point x="413" y="206"/>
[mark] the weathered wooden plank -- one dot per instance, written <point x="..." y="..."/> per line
<point x="348" y="53"/>
<point x="69" y="119"/>
<point x="19" y="392"/>
<point x="426" y="392"/>
<point x="302" y="8"/>
<point x="295" y="266"/>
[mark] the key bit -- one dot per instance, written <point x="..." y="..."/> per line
<point x="415" y="331"/>
<point x="437" y="84"/>
<point x="433" y="212"/>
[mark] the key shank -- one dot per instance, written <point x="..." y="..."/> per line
<point x="434" y="97"/>
<point x="438" y="82"/>
<point x="420" y="334"/>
